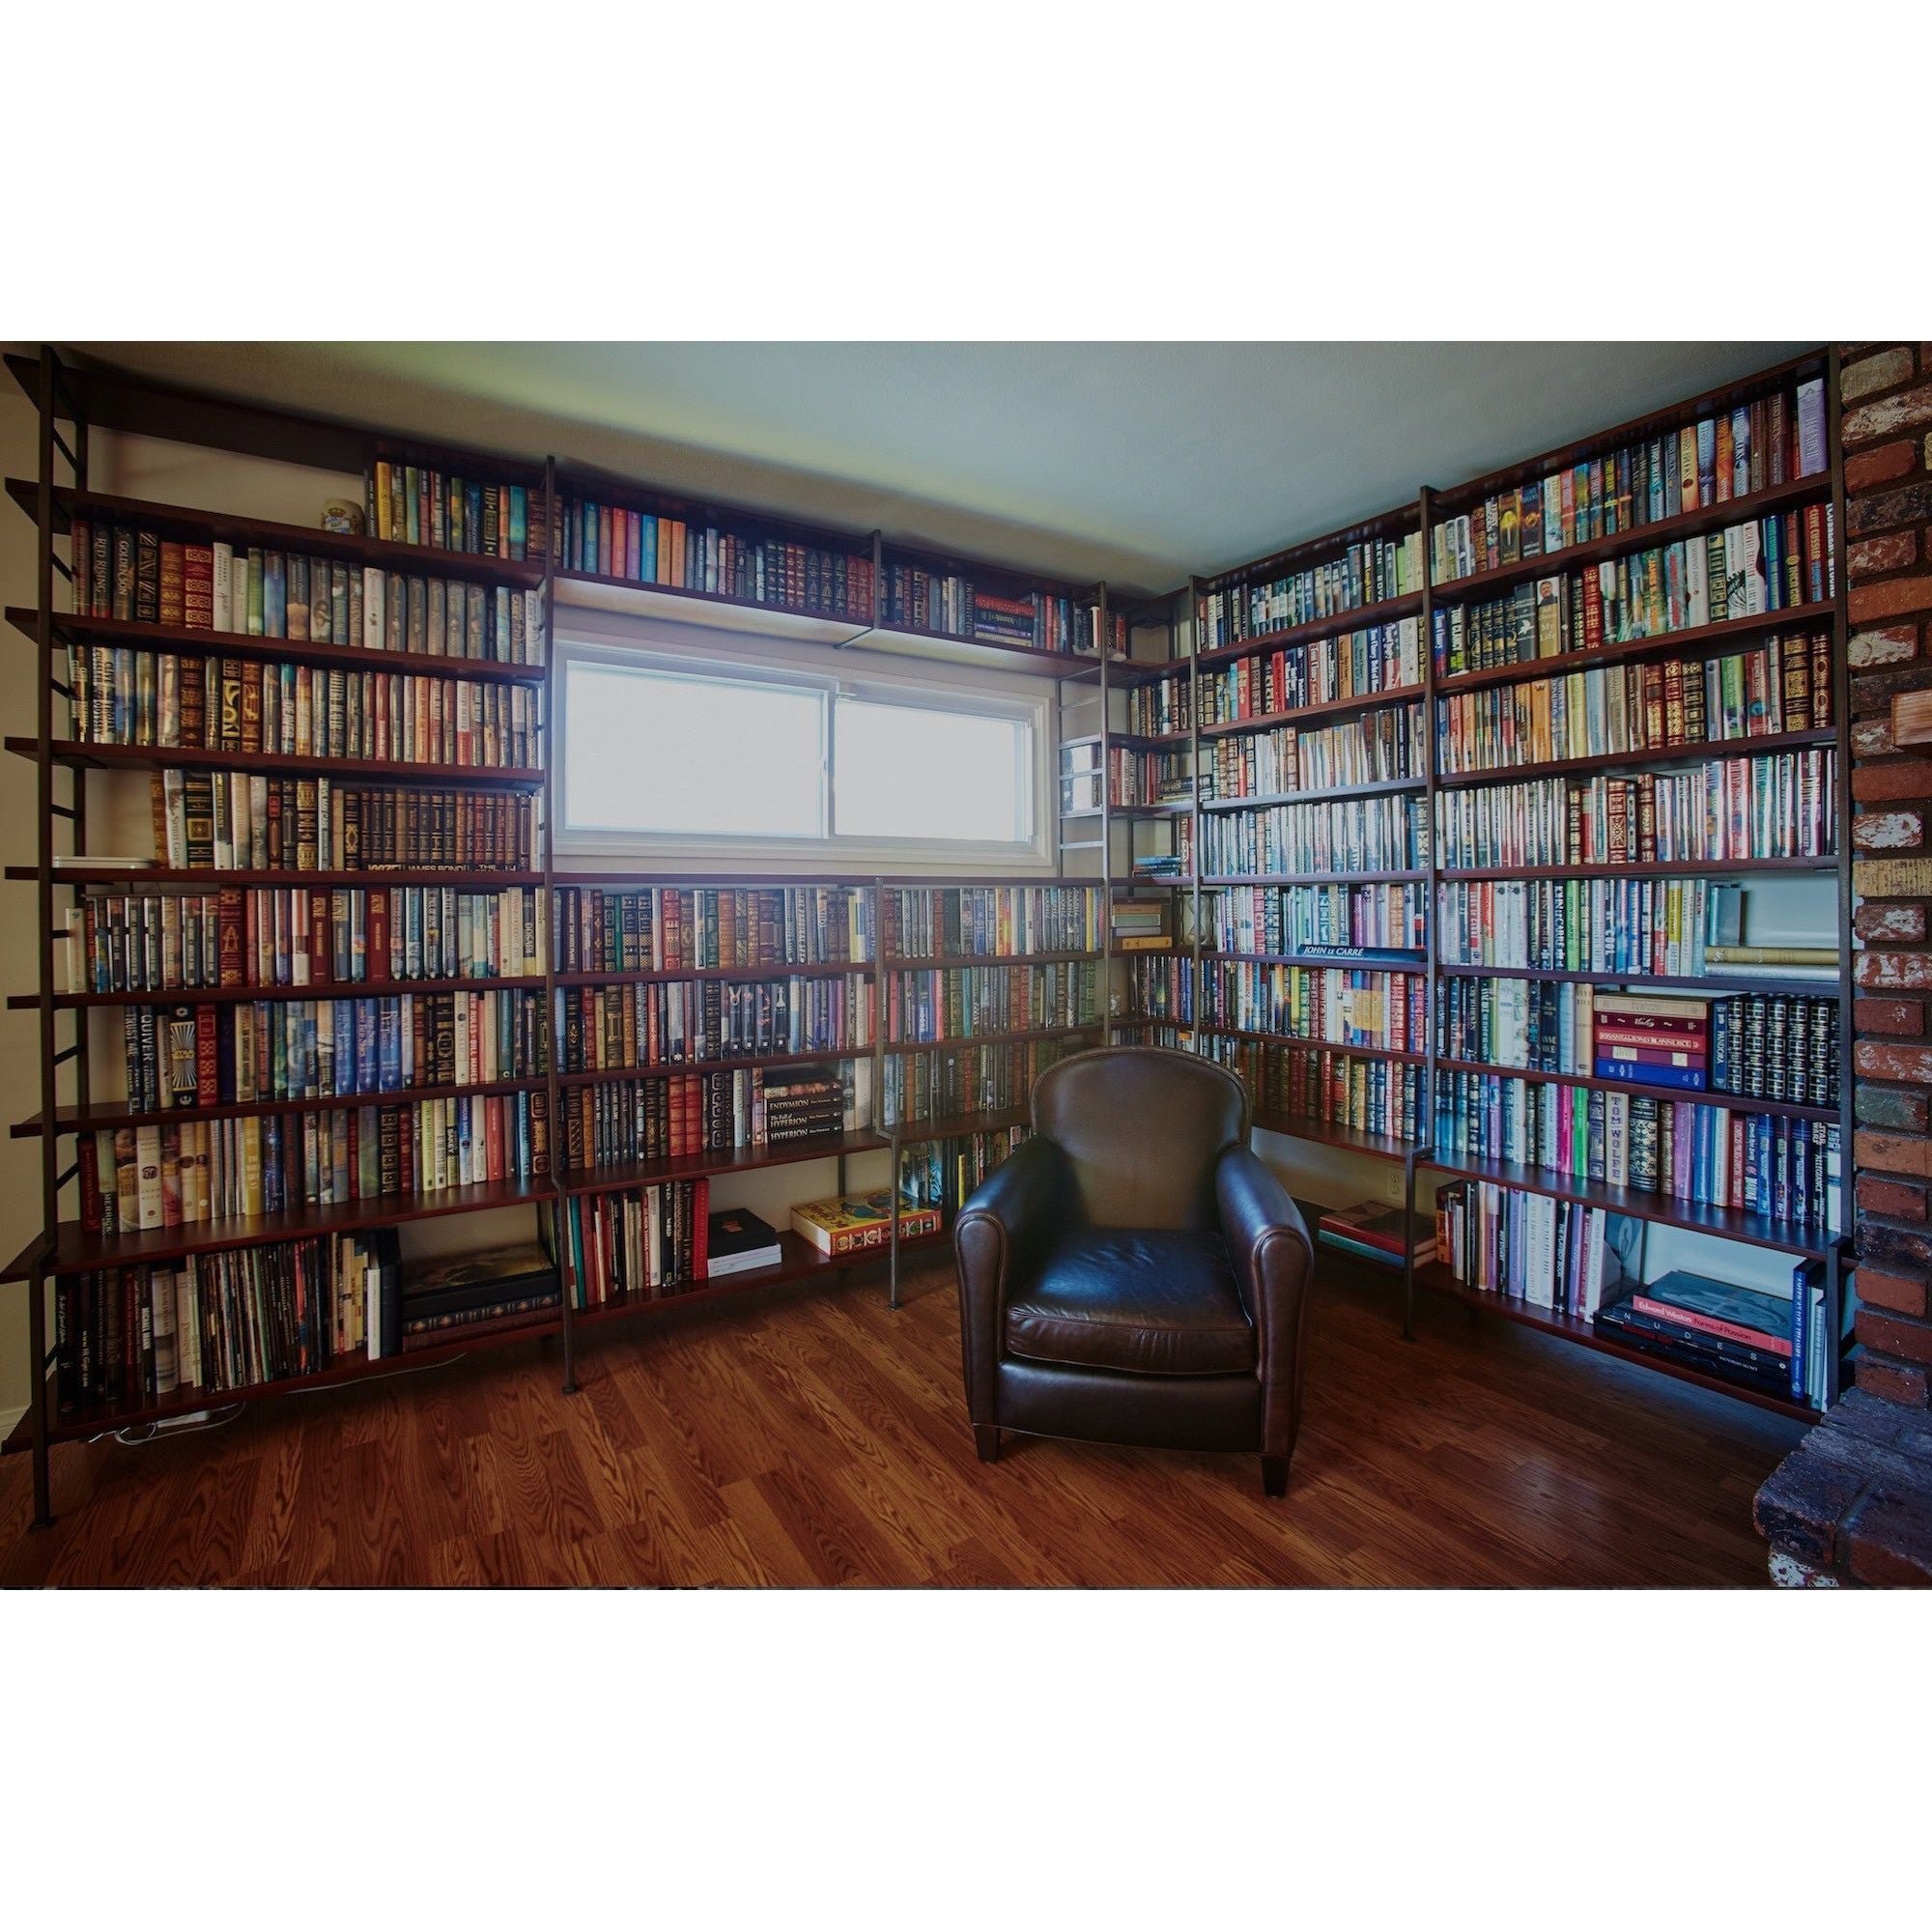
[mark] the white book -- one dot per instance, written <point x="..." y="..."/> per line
<point x="1751" y="550"/>
<point x="148" y="1177"/>
<point x="373" y="587"/>
<point x="224" y="586"/>
<point x="1697" y="585"/>
<point x="1811" y="453"/>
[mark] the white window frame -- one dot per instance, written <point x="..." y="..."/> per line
<point x="603" y="638"/>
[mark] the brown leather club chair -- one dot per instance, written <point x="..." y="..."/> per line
<point x="1133" y="1274"/>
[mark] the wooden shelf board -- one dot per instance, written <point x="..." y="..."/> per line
<point x="950" y="962"/>
<point x="1713" y="751"/>
<point x="1328" y="1133"/>
<point x="329" y="989"/>
<point x="1435" y="1277"/>
<point x="1366" y="789"/>
<point x="651" y="975"/>
<point x="1649" y="868"/>
<point x="1649" y="982"/>
<point x="594" y="1076"/>
<point x="375" y="771"/>
<point x="1404" y="1055"/>
<point x="614" y="1180"/>
<point x="1483" y="584"/>
<point x="75" y="1250"/>
<point x="1731" y="1224"/>
<point x="129" y="879"/>
<point x="949" y="1126"/>
<point x="588" y="590"/>
<point x="187" y="642"/>
<point x="1317" y="959"/>
<point x="1373" y="700"/>
<point x="108" y="1114"/>
<point x="253" y="533"/>
<point x="1391" y="610"/>
<point x="1736" y="1103"/>
<point x="1415" y="876"/>
<point x="992" y="1038"/>
<point x="1696" y="641"/>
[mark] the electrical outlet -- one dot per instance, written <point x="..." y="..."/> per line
<point x="1392" y="1182"/>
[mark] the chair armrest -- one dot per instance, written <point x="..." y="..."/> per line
<point x="996" y="1241"/>
<point x="1269" y="1251"/>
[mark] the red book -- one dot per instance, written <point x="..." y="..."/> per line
<point x="207" y="1056"/>
<point x="1679" y="1042"/>
<point x="230" y="919"/>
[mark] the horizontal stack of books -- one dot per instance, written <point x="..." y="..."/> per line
<point x="1653" y="1041"/>
<point x="1772" y="1343"/>
<point x="463" y="1298"/>
<point x="1376" y="1233"/>
<point x="1140" y="926"/>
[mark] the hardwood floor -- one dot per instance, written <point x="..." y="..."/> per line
<point x="813" y="1438"/>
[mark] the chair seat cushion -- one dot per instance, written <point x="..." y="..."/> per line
<point x="1150" y="1301"/>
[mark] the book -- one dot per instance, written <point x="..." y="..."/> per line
<point x="850" y="1223"/>
<point x="1376" y="1231"/>
<point x="740" y="1241"/>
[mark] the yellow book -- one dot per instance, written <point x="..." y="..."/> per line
<point x="850" y="1223"/>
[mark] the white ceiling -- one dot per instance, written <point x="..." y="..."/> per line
<point x="1136" y="462"/>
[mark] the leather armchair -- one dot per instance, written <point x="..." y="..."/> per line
<point x="1133" y="1274"/>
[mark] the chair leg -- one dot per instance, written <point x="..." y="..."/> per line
<point x="1274" y="1476"/>
<point x="986" y="1439"/>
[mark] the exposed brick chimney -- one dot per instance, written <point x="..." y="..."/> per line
<point x="1854" y="1502"/>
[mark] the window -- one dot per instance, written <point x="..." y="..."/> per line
<point x="663" y="753"/>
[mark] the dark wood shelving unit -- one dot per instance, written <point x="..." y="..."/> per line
<point x="1364" y="617"/>
<point x="1699" y="640"/>
<point x="1371" y="700"/>
<point x="183" y="641"/>
<point x="377" y="772"/>
<point x="1713" y="1097"/>
<point x="621" y="1175"/>
<point x="655" y="976"/>
<point x="1648" y="982"/>
<point x="129" y="877"/>
<point x="1713" y="751"/>
<point x="1315" y="794"/>
<point x="323" y="989"/>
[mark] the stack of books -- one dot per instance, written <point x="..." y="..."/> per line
<point x="1140" y="926"/>
<point x="1771" y="1343"/>
<point x="457" y="1297"/>
<point x="737" y="1242"/>
<point x="1374" y="1232"/>
<point x="1653" y="1041"/>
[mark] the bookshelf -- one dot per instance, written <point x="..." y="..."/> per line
<point x="1259" y="757"/>
<point x="728" y="568"/>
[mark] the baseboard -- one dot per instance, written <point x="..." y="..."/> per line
<point x="9" y="1417"/>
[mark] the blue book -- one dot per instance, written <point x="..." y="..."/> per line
<point x="518" y="519"/>
<point x="1639" y="1073"/>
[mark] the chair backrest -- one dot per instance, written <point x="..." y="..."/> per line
<point x="1142" y="1128"/>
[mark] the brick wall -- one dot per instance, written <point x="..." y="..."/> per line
<point x="1887" y="392"/>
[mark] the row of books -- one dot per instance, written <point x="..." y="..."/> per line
<point x="1358" y="664"/>
<point x="234" y="704"/>
<point x="1148" y="777"/>
<point x="136" y="575"/>
<point x="244" y="821"/>
<point x="655" y="1023"/>
<point x="203" y="1054"/>
<point x="1723" y="456"/>
<point x="1780" y="805"/>
<point x="1750" y="570"/>
<point x="1359" y="574"/>
<point x="215" y="1321"/>
<point x="940" y="1177"/>
<point x="1783" y="684"/>
<point x="417" y="504"/>
<point x="1359" y="835"/>
<point x="1552" y="1254"/>
<point x="1783" y="1169"/>
<point x="955" y="921"/>
<point x="295" y="936"/>
<point x="696" y="552"/>
<point x="1773" y="1344"/>
<point x="958" y="1003"/>
<point x="1373" y="1232"/>
<point x="458" y="1299"/>
<point x="1338" y="1006"/>
<point x="690" y="1114"/>
<point x="1160" y="706"/>
<point x="950" y="602"/>
<point x="663" y="928"/>
<point x="1161" y="988"/>
<point x="919" y="1087"/>
<point x="191" y="1171"/>
<point x="1372" y="749"/>
<point x="1325" y="1086"/>
<point x="634" y="1245"/>
<point x="1760" y="1046"/>
<point x="1382" y="917"/>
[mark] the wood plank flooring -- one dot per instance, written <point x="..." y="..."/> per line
<point x="813" y="1438"/>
